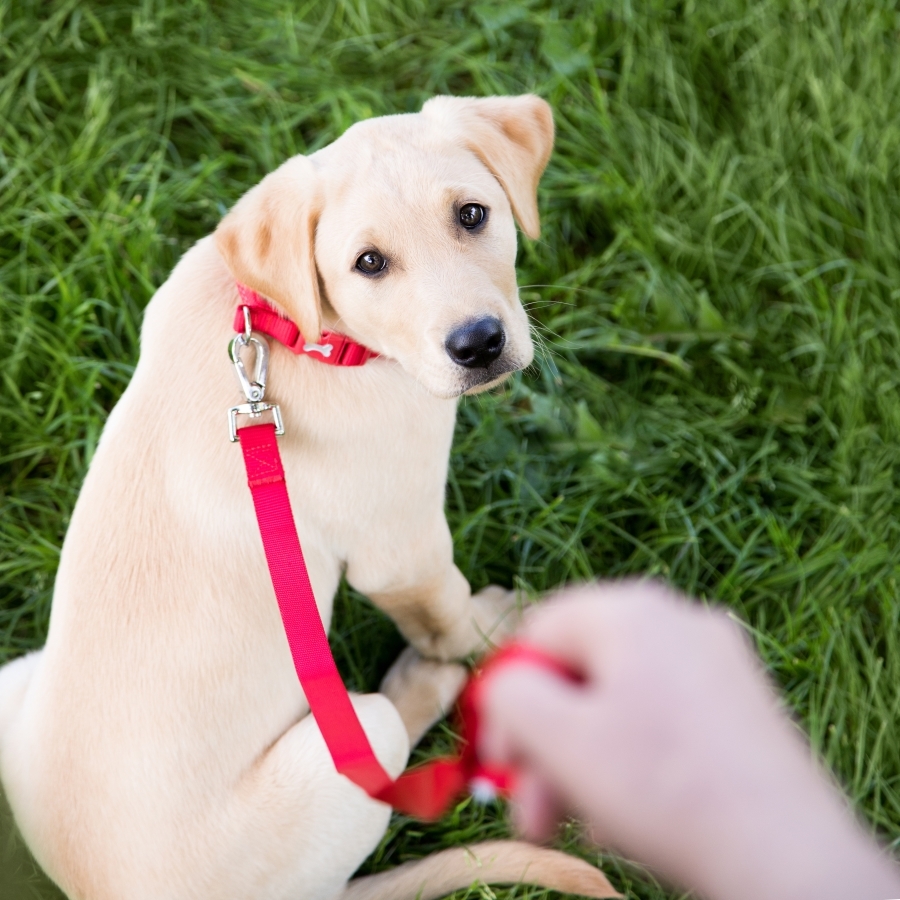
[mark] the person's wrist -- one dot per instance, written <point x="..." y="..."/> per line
<point x="795" y="841"/>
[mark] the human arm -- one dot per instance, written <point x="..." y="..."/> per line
<point x="675" y="751"/>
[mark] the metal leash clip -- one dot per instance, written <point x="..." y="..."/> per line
<point x="254" y="390"/>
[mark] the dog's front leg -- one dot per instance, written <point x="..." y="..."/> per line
<point x="414" y="580"/>
<point x="443" y="620"/>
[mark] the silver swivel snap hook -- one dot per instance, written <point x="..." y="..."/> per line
<point x="255" y="389"/>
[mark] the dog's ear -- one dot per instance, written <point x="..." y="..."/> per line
<point x="267" y="241"/>
<point x="512" y="136"/>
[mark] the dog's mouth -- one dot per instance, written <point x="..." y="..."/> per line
<point x="477" y="380"/>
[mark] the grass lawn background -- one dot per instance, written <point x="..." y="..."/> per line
<point x="716" y="293"/>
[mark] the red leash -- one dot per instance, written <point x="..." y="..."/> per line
<point x="427" y="790"/>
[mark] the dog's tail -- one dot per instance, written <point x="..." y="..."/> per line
<point x="493" y="862"/>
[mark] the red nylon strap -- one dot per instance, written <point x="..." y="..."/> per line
<point x="423" y="792"/>
<point x="343" y="350"/>
<point x="318" y="674"/>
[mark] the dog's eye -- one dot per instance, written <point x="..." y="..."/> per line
<point x="371" y="262"/>
<point x="471" y="215"/>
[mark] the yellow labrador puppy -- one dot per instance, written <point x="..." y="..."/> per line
<point x="160" y="746"/>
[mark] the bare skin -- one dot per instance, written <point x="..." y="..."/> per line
<point x="675" y="751"/>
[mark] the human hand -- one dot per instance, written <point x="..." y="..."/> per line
<point x="674" y="750"/>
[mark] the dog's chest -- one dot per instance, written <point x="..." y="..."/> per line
<point x="365" y="445"/>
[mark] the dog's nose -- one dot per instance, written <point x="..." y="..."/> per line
<point x="477" y="344"/>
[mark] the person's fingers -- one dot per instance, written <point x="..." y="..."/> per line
<point x="536" y="810"/>
<point x="535" y="716"/>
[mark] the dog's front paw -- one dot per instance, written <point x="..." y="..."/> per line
<point x="423" y="690"/>
<point x="489" y="618"/>
<point x="498" y="613"/>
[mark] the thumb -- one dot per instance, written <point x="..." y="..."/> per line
<point x="537" y="717"/>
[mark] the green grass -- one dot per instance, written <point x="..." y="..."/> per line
<point x="716" y="289"/>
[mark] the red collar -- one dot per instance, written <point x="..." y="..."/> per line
<point x="335" y="349"/>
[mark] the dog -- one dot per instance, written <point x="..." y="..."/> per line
<point x="160" y="745"/>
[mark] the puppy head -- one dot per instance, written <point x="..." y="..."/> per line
<point x="401" y="234"/>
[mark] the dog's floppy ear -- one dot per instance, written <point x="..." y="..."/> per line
<point x="267" y="241"/>
<point x="512" y="136"/>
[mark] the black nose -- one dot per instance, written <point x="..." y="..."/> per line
<point x="477" y="344"/>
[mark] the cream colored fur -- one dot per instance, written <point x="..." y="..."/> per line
<point x="159" y="746"/>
